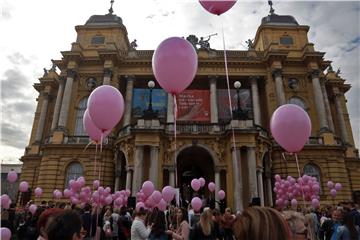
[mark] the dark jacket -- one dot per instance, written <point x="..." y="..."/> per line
<point x="197" y="233"/>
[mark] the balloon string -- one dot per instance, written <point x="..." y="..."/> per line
<point x="229" y="95"/>
<point x="301" y="185"/>
<point x="175" y="161"/>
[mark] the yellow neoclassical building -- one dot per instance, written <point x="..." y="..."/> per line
<point x="280" y="66"/>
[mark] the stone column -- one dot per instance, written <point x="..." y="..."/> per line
<point x="280" y="94"/>
<point x="170" y="109"/>
<point x="269" y="191"/>
<point x="138" y="168"/>
<point x="260" y="186"/>
<point x="213" y="100"/>
<point x="58" y="103"/>
<point x="255" y="100"/>
<point x="117" y="182"/>
<point x="217" y="188"/>
<point x="251" y="158"/>
<point x="128" y="99"/>
<point x="128" y="180"/>
<point x="327" y="107"/>
<point x="66" y="99"/>
<point x="41" y="124"/>
<point x="237" y="180"/>
<point x="107" y="76"/>
<point x="319" y="101"/>
<point x="154" y="165"/>
<point x="340" y="115"/>
<point x="172" y="177"/>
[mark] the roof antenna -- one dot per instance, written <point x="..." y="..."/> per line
<point x="271" y="8"/>
<point x="111" y="7"/>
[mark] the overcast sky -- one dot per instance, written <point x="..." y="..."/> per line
<point x="34" y="32"/>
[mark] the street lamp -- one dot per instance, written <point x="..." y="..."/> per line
<point x="149" y="113"/>
<point x="239" y="113"/>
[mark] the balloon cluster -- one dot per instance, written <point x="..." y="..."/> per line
<point x="287" y="190"/>
<point x="149" y="198"/>
<point x="334" y="188"/>
<point x="105" y="108"/>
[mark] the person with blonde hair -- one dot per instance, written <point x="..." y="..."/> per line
<point x="204" y="229"/>
<point x="261" y="223"/>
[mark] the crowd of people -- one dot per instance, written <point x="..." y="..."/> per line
<point x="61" y="221"/>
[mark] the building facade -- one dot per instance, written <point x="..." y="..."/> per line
<point x="279" y="67"/>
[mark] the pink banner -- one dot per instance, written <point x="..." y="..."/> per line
<point x="194" y="105"/>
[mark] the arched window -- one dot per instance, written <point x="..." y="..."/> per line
<point x="313" y="171"/>
<point x="73" y="171"/>
<point x="298" y="101"/>
<point x="79" y="128"/>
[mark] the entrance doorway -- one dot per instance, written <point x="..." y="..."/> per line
<point x="194" y="162"/>
<point x="120" y="171"/>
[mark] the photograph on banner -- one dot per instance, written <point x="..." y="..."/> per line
<point x="141" y="98"/>
<point x="223" y="103"/>
<point x="194" y="105"/>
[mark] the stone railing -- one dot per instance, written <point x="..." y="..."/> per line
<point x="76" y="140"/>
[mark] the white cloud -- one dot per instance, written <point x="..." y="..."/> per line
<point x="33" y="32"/>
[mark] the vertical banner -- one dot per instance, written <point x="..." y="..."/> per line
<point x="194" y="105"/>
<point x="223" y="103"/>
<point x="141" y="98"/>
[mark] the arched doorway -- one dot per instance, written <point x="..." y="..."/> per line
<point x="194" y="162"/>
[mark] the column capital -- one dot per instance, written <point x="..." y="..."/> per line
<point x="71" y="73"/>
<point x="108" y="72"/>
<point x="315" y="73"/>
<point x="170" y="168"/>
<point x="130" y="78"/>
<point x="130" y="168"/>
<point x="277" y="72"/>
<point x="254" y="78"/>
<point x="213" y="78"/>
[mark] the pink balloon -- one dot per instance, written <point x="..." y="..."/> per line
<point x="139" y="205"/>
<point x="291" y="127"/>
<point x="106" y="107"/>
<point x="315" y="203"/>
<point x="32" y="208"/>
<point x="119" y="201"/>
<point x="202" y="181"/>
<point x="92" y="130"/>
<point x="195" y="184"/>
<point x="12" y="176"/>
<point x="5" y="201"/>
<point x="338" y="186"/>
<point x="150" y="202"/>
<point x="156" y="196"/>
<point x="38" y="191"/>
<point x="196" y="204"/>
<point x="108" y="200"/>
<point x="57" y="194"/>
<point x="211" y="186"/>
<point x="277" y="177"/>
<point x="162" y="205"/>
<point x="23" y="187"/>
<point x="294" y="203"/>
<point x="128" y="192"/>
<point x="221" y="194"/>
<point x="174" y="64"/>
<point x="217" y="7"/>
<point x="96" y="184"/>
<point x="330" y="184"/>
<point x="5" y="233"/>
<point x="333" y="193"/>
<point x="148" y="188"/>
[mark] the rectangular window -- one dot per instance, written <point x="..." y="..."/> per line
<point x="286" y="40"/>
<point x="98" y="40"/>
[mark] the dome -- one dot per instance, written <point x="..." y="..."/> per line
<point x="108" y="19"/>
<point x="279" y="20"/>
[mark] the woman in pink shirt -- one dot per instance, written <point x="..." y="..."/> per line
<point x="183" y="230"/>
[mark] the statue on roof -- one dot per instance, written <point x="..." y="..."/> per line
<point x="53" y="67"/>
<point x="330" y="69"/>
<point x="133" y="45"/>
<point x="271" y="7"/>
<point x="111" y="7"/>
<point x="338" y="72"/>
<point x="250" y="44"/>
<point x="45" y="72"/>
<point x="193" y="40"/>
<point x="204" y="44"/>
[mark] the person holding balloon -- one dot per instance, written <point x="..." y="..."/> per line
<point x="183" y="230"/>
